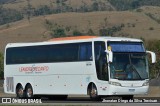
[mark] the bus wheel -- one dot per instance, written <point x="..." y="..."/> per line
<point x="29" y="91"/>
<point x="93" y="93"/>
<point x="19" y="91"/>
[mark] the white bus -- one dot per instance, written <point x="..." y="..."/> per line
<point x="85" y="65"/>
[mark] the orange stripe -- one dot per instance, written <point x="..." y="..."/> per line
<point x="72" y="38"/>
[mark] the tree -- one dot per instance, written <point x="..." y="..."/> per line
<point x="59" y="32"/>
<point x="9" y="15"/>
<point x="59" y="6"/>
<point x="135" y="4"/>
<point x="154" y="45"/>
<point x="90" y="32"/>
<point x="95" y="6"/>
<point x="104" y="32"/>
<point x="77" y="33"/>
<point x="29" y="6"/>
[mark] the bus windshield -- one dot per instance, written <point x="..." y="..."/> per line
<point x="129" y="66"/>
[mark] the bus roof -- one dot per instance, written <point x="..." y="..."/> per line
<point x="87" y="37"/>
<point x="74" y="39"/>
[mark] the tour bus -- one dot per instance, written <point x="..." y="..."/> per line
<point x="83" y="65"/>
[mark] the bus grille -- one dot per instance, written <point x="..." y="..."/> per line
<point x="9" y="82"/>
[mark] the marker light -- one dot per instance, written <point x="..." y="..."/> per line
<point x="114" y="83"/>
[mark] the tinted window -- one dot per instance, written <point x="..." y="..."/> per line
<point x="85" y="52"/>
<point x="127" y="46"/>
<point x="48" y="53"/>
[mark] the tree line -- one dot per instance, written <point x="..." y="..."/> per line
<point x="9" y="15"/>
<point x="6" y="1"/>
<point x="122" y="5"/>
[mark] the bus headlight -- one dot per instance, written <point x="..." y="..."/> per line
<point x="114" y="83"/>
<point x="146" y="84"/>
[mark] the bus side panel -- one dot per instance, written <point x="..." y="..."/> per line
<point x="58" y="78"/>
<point x="65" y="78"/>
<point x="61" y="84"/>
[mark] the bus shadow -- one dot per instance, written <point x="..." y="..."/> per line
<point x="70" y="100"/>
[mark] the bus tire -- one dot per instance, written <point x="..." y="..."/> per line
<point x="93" y="93"/>
<point x="19" y="91"/>
<point x="29" y="91"/>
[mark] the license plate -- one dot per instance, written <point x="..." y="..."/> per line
<point x="131" y="90"/>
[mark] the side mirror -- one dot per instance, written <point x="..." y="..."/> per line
<point x="110" y="56"/>
<point x="153" y="56"/>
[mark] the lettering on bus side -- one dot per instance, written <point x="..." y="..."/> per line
<point x="36" y="69"/>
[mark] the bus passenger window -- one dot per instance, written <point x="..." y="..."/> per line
<point x="85" y="52"/>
